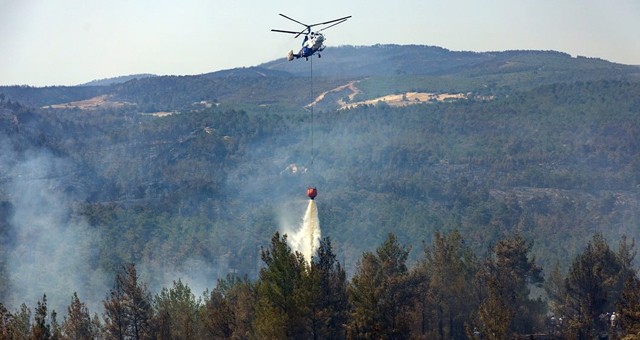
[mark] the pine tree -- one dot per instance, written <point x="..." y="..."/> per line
<point x="510" y="272"/>
<point x="242" y="296"/>
<point x="40" y="330"/>
<point x="629" y="308"/>
<point x="229" y="310"/>
<point x="77" y="323"/>
<point x="56" y="332"/>
<point x="19" y="325"/>
<point x="593" y="286"/>
<point x="379" y="294"/>
<point x="494" y="315"/>
<point x="329" y="289"/>
<point x="128" y="307"/>
<point x="177" y="313"/>
<point x="555" y="289"/>
<point x="282" y="309"/>
<point x="5" y="321"/>
<point x="450" y="267"/>
<point x="218" y="314"/>
<point x="557" y="295"/>
<point x="365" y="291"/>
<point x="96" y="327"/>
<point x="115" y="319"/>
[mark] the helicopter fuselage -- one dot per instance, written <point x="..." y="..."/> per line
<point x="313" y="42"/>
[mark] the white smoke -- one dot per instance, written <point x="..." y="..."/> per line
<point x="48" y="251"/>
<point x="306" y="238"/>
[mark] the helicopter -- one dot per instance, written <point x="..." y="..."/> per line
<point x="313" y="41"/>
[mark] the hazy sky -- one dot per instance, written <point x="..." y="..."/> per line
<point x="68" y="42"/>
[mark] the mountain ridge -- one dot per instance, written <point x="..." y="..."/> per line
<point x="388" y="70"/>
<point x="117" y="79"/>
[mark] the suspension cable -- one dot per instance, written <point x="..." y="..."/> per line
<point x="312" y="105"/>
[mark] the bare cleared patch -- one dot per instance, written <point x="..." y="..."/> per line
<point x="408" y="98"/>
<point x="89" y="104"/>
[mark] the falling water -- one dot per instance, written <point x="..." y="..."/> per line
<point x="306" y="239"/>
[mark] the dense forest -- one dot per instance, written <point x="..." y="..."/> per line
<point x="450" y="293"/>
<point x="479" y="216"/>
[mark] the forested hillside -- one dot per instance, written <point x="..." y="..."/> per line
<point x="190" y="177"/>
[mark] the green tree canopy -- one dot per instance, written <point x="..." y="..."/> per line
<point x="282" y="309"/>
<point x="594" y="286"/>
<point x="379" y="293"/>
<point x="128" y="310"/>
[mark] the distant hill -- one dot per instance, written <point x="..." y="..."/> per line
<point x="117" y="80"/>
<point x="249" y="72"/>
<point x="380" y="60"/>
<point x="381" y="70"/>
<point x="393" y="60"/>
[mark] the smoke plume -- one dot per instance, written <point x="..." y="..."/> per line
<point x="48" y="250"/>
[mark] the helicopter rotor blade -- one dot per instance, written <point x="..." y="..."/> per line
<point x="283" y="31"/>
<point x="332" y="21"/>
<point x="339" y="22"/>
<point x="307" y="29"/>
<point x="294" y="20"/>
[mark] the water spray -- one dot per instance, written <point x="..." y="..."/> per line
<point x="306" y="239"/>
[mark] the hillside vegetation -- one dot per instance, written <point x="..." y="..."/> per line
<point x="189" y="176"/>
